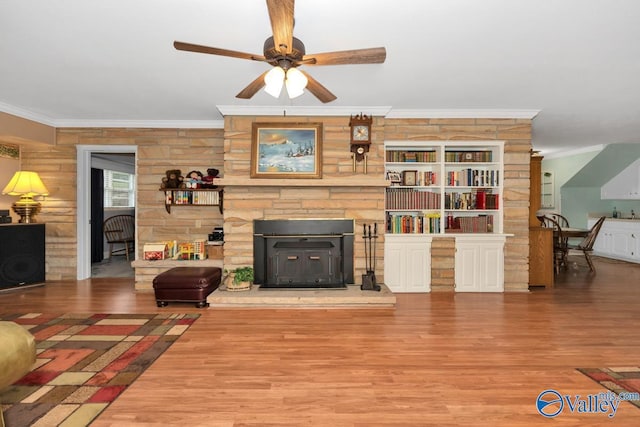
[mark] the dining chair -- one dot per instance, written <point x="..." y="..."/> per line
<point x="586" y="246"/>
<point x="120" y="229"/>
<point x="561" y="220"/>
<point x="560" y="242"/>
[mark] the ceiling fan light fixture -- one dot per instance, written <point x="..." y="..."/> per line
<point x="273" y="81"/>
<point x="295" y="82"/>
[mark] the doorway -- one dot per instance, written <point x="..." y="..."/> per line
<point x="86" y="154"/>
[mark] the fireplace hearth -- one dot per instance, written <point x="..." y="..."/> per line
<point x="303" y="253"/>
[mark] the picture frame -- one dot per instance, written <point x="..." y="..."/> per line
<point x="409" y="178"/>
<point x="286" y="150"/>
<point x="394" y="177"/>
<point x="10" y="151"/>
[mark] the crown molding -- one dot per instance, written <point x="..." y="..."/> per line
<point x="385" y="111"/>
<point x="26" y="114"/>
<point x="481" y="113"/>
<point x="161" y="124"/>
<point x="279" y="110"/>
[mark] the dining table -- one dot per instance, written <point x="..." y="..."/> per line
<point x="570" y="232"/>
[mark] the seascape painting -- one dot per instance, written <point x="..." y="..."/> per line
<point x="286" y="151"/>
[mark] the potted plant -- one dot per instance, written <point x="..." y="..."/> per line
<point x="239" y="279"/>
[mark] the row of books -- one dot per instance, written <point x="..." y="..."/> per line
<point x="179" y="197"/>
<point x="411" y="156"/>
<point x="473" y="178"/>
<point x="468" y="156"/>
<point x="479" y="199"/>
<point x="469" y="224"/>
<point x="413" y="224"/>
<point x="408" y="198"/>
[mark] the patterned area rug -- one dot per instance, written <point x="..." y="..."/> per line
<point x="84" y="363"/>
<point x="618" y="380"/>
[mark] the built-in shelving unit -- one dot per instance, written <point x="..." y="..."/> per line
<point x="444" y="189"/>
<point x="439" y="188"/>
<point x="193" y="197"/>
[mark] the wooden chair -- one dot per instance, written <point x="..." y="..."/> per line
<point x="586" y="246"/>
<point x="120" y="229"/>
<point x="561" y="220"/>
<point x="560" y="243"/>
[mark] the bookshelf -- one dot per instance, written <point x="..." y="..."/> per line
<point x="443" y="188"/>
<point x="192" y="197"/>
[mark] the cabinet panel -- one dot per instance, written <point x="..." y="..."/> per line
<point x="407" y="263"/>
<point x="479" y="264"/>
<point x="22" y="255"/>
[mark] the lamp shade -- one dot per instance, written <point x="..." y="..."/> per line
<point x="273" y="81"/>
<point x="296" y="82"/>
<point x="25" y="183"/>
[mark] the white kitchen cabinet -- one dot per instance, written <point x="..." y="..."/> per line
<point x="479" y="263"/>
<point x="624" y="186"/>
<point x="618" y="239"/>
<point x="407" y="263"/>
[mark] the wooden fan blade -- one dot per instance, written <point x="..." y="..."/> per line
<point x="189" y="47"/>
<point x="281" y="16"/>
<point x="253" y="87"/>
<point x="374" y="55"/>
<point x="319" y="91"/>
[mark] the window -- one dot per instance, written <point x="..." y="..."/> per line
<point x="119" y="189"/>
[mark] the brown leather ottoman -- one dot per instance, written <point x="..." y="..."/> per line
<point x="186" y="284"/>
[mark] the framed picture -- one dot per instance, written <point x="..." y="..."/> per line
<point x="10" y="151"/>
<point x="286" y="150"/>
<point x="394" y="177"/>
<point x="409" y="177"/>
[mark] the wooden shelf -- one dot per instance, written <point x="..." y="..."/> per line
<point x="177" y="193"/>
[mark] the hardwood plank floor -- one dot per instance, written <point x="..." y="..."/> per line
<point x="438" y="359"/>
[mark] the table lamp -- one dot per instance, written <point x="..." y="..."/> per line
<point x="26" y="185"/>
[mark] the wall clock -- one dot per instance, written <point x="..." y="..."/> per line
<point x="360" y="135"/>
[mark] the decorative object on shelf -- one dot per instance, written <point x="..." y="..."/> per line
<point x="4" y="216"/>
<point x="394" y="177"/>
<point x="26" y="184"/>
<point x="286" y="150"/>
<point x="369" y="278"/>
<point x="173" y="179"/>
<point x="207" y="181"/>
<point x="360" y="138"/>
<point x="193" y="180"/>
<point x="409" y="178"/>
<point x="239" y="279"/>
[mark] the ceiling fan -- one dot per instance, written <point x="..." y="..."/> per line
<point x="285" y="53"/>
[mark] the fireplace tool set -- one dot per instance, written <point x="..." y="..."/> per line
<point x="369" y="279"/>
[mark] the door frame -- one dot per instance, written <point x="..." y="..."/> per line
<point x="83" y="200"/>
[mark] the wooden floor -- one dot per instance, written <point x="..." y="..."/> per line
<point x="438" y="359"/>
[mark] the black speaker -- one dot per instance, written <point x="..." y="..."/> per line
<point x="21" y="255"/>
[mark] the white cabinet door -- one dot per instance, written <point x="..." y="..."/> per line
<point x="479" y="264"/>
<point x="621" y="243"/>
<point x="618" y="239"/>
<point x="407" y="263"/>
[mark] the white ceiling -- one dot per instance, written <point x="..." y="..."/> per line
<point x="91" y="62"/>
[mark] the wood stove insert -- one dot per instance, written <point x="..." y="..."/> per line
<point x="303" y="253"/>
